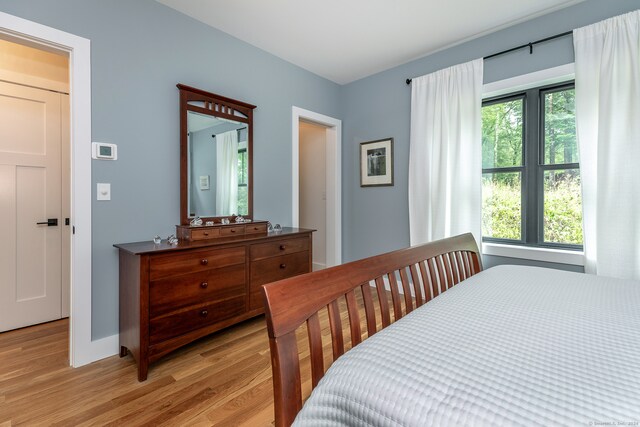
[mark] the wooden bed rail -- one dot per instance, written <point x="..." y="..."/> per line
<point x="412" y="276"/>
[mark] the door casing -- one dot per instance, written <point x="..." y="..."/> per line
<point x="333" y="172"/>
<point x="82" y="349"/>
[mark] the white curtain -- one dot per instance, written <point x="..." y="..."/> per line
<point x="607" y="60"/>
<point x="227" y="173"/>
<point x="445" y="160"/>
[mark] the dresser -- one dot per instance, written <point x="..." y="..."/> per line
<point x="171" y="295"/>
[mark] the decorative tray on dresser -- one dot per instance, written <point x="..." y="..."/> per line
<point x="171" y="295"/>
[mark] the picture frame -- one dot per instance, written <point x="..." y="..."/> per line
<point x="376" y="163"/>
<point x="204" y="182"/>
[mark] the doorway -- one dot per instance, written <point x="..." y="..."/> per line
<point x="316" y="183"/>
<point x="82" y="349"/>
<point x="313" y="188"/>
<point x="34" y="171"/>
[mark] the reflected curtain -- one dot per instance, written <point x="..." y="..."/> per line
<point x="607" y="60"/>
<point x="227" y="173"/>
<point x="445" y="160"/>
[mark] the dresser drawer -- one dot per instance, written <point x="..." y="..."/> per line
<point x="281" y="247"/>
<point x="162" y="266"/>
<point x="173" y="293"/>
<point x="195" y="317"/>
<point x="255" y="228"/>
<point x="276" y="268"/>
<point x="218" y="230"/>
<point x="236" y="230"/>
<point x="205" y="233"/>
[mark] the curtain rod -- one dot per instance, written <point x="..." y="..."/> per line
<point x="529" y="45"/>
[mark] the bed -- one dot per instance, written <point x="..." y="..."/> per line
<point x="511" y="345"/>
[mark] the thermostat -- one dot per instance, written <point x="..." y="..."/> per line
<point x="104" y="151"/>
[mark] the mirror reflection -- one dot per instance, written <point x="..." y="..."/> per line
<point x="217" y="166"/>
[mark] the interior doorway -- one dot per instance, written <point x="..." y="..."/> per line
<point x="35" y="180"/>
<point x="316" y="183"/>
<point x="313" y="188"/>
<point x="82" y="348"/>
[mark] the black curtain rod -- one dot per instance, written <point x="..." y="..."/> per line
<point x="238" y="130"/>
<point x="529" y="45"/>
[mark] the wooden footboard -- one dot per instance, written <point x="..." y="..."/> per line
<point x="412" y="277"/>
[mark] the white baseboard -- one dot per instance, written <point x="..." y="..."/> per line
<point x="318" y="266"/>
<point x="387" y="285"/>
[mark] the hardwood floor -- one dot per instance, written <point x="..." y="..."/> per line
<point x="223" y="379"/>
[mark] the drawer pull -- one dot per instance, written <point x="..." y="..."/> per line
<point x="283" y="266"/>
<point x="232" y="230"/>
<point x="204" y="313"/>
<point x="283" y="247"/>
<point x="204" y="261"/>
<point x="204" y="285"/>
<point x="206" y="233"/>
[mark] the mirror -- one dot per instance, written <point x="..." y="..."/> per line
<point x="216" y="156"/>
<point x="217" y="164"/>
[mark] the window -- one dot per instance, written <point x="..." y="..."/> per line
<point x="243" y="189"/>
<point x="530" y="170"/>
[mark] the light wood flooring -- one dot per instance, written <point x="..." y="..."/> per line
<point x="223" y="379"/>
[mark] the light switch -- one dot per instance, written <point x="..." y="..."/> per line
<point x="104" y="191"/>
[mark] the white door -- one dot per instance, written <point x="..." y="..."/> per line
<point x="30" y="193"/>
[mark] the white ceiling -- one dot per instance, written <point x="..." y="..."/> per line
<point x="345" y="40"/>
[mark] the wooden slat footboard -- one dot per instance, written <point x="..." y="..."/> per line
<point x="420" y="273"/>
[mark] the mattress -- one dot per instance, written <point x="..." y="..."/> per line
<point x="512" y="345"/>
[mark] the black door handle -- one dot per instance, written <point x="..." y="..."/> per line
<point x="51" y="222"/>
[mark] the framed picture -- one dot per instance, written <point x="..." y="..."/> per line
<point x="376" y="163"/>
<point x="204" y="182"/>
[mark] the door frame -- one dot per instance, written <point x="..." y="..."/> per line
<point x="82" y="349"/>
<point x="333" y="177"/>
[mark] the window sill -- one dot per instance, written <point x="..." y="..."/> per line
<point x="560" y="256"/>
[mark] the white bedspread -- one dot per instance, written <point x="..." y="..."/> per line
<point x="510" y="346"/>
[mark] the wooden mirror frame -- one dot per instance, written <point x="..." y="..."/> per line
<point x="217" y="106"/>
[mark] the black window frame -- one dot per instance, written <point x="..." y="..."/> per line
<point x="242" y="152"/>
<point x="533" y="166"/>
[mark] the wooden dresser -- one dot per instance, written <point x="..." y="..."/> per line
<point x="173" y="295"/>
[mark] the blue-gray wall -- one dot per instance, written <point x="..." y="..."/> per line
<point x="376" y="219"/>
<point x="139" y="51"/>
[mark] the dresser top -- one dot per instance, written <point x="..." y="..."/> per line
<point x="148" y="247"/>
